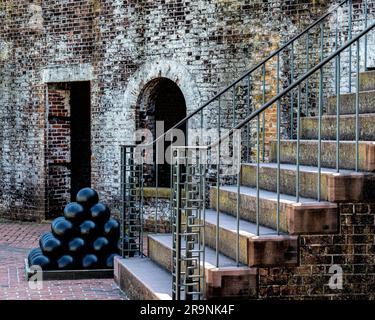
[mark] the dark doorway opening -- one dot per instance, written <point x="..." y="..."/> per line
<point x="80" y="136"/>
<point x="161" y="101"/>
<point x="68" y="149"/>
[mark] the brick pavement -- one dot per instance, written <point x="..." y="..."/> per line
<point x="16" y="239"/>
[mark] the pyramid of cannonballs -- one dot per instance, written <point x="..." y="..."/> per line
<point x="86" y="237"/>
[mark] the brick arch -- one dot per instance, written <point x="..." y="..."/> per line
<point x="169" y="69"/>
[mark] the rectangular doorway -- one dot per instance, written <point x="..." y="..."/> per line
<point x="68" y="150"/>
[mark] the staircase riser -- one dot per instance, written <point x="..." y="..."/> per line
<point x="347" y="128"/>
<point x="290" y="214"/>
<point x="309" y="154"/>
<point x="247" y="210"/>
<point x="132" y="286"/>
<point x="347" y="103"/>
<point x="160" y="254"/>
<point x="334" y="187"/>
<point x="367" y="81"/>
<point x="227" y="242"/>
<point x="254" y="251"/>
<point x="267" y="181"/>
<point x="243" y="284"/>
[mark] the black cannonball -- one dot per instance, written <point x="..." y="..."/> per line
<point x="87" y="197"/>
<point x="77" y="246"/>
<point x="42" y="261"/>
<point x="112" y="229"/>
<point x="65" y="262"/>
<point x="100" y="213"/>
<point x="50" y="245"/>
<point x="75" y="213"/>
<point x="33" y="253"/>
<point x="37" y="258"/>
<point x="90" y="261"/>
<point x="109" y="261"/>
<point x="88" y="229"/>
<point x="101" y="245"/>
<point x="62" y="228"/>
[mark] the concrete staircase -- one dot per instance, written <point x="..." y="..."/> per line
<point x="150" y="278"/>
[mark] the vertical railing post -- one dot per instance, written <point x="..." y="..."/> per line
<point x="350" y="48"/>
<point x="320" y="106"/>
<point x="357" y="109"/>
<point x="292" y="93"/>
<point x="177" y="189"/>
<point x="217" y="235"/>
<point x="188" y="235"/>
<point x="298" y="143"/>
<point x="263" y="113"/>
<point x="338" y="105"/>
<point x="307" y="70"/>
<point x="131" y="237"/>
<point x="248" y="125"/>
<point x="278" y="178"/>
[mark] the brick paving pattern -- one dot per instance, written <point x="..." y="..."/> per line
<point x="16" y="239"/>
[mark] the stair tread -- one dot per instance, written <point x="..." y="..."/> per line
<point x="229" y="222"/>
<point x="272" y="196"/>
<point x="151" y="275"/>
<point x="325" y="141"/>
<point x="304" y="168"/>
<point x="210" y="254"/>
<point x="333" y="116"/>
<point x="354" y="93"/>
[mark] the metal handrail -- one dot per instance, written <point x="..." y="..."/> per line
<point x="292" y="86"/>
<point x="246" y="74"/>
<point x="296" y="84"/>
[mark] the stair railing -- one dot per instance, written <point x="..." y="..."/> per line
<point x="237" y="100"/>
<point x="225" y="112"/>
<point x="186" y="165"/>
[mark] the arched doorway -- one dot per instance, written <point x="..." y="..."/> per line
<point x="161" y="105"/>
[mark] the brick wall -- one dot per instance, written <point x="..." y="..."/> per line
<point x="58" y="151"/>
<point x="119" y="46"/>
<point x="352" y="249"/>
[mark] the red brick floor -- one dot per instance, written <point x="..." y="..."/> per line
<point x="16" y="239"/>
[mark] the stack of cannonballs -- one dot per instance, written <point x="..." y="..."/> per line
<point x="86" y="237"/>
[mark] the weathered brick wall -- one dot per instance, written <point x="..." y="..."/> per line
<point x="58" y="150"/>
<point x="352" y="249"/>
<point x="120" y="46"/>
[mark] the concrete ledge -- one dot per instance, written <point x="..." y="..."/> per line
<point x="335" y="187"/>
<point x="290" y="211"/>
<point x="141" y="279"/>
<point x="231" y="282"/>
<point x="367" y="81"/>
<point x="350" y="187"/>
<point x="159" y="251"/>
<point x="273" y="251"/>
<point x="316" y="218"/>
<point x="347" y="103"/>
<point x="227" y="281"/>
<point x="347" y="127"/>
<point x="309" y="153"/>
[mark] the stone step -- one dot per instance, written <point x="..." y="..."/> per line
<point x="366" y="126"/>
<point x="306" y="217"/>
<point x="228" y="280"/>
<point x="142" y="279"/>
<point x="347" y="103"/>
<point x="267" y="249"/>
<point x="309" y="153"/>
<point x="367" y="81"/>
<point x="344" y="186"/>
